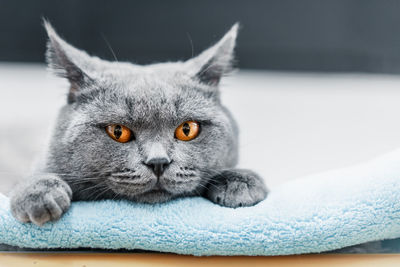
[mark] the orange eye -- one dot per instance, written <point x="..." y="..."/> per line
<point x="119" y="133"/>
<point x="187" y="131"/>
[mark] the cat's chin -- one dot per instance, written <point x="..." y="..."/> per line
<point x="142" y="194"/>
<point x="153" y="196"/>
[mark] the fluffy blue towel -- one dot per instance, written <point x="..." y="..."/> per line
<point x="318" y="213"/>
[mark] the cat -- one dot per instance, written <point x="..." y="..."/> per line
<point x="148" y="134"/>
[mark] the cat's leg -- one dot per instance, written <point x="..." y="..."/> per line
<point x="236" y="188"/>
<point x="41" y="199"/>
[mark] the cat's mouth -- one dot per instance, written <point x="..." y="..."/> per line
<point x="125" y="180"/>
<point x="140" y="191"/>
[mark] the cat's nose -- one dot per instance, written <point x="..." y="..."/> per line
<point x="158" y="165"/>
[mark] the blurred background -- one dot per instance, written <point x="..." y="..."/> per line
<point x="308" y="35"/>
<point x="318" y="78"/>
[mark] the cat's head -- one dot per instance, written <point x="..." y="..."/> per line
<point x="149" y="133"/>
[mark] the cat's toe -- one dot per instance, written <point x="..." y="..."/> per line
<point x="39" y="214"/>
<point x="50" y="208"/>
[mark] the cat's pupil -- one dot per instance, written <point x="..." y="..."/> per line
<point x="186" y="129"/>
<point x="117" y="131"/>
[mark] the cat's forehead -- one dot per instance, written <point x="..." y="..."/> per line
<point x="160" y="94"/>
<point x="156" y="84"/>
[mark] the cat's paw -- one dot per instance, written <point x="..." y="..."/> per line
<point x="43" y="200"/>
<point x="236" y="188"/>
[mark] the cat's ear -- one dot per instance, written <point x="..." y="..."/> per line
<point x="216" y="61"/>
<point x="67" y="62"/>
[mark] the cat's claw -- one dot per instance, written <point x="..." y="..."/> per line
<point x="47" y="199"/>
<point x="236" y="188"/>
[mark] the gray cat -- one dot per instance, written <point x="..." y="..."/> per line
<point x="143" y="133"/>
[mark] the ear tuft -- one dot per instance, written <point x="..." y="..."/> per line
<point x="216" y="61"/>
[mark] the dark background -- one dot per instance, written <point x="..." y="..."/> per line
<point x="306" y="35"/>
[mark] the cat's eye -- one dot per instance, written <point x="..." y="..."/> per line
<point x="119" y="133"/>
<point x="187" y="131"/>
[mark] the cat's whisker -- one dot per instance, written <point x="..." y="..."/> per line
<point x="115" y="195"/>
<point x="212" y="183"/>
<point x="98" y="188"/>
<point x="191" y="43"/>
<point x="65" y="176"/>
<point x="73" y="172"/>
<point x="220" y="172"/>
<point x="214" y="178"/>
<point x="109" y="46"/>
<point x="84" y="179"/>
<point x="208" y="176"/>
<point x="80" y="178"/>
<point x="80" y="182"/>
<point x="102" y="192"/>
<point x="201" y="185"/>
<point x="197" y="192"/>
<point x="90" y="187"/>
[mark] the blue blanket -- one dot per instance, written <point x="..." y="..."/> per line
<point x="318" y="213"/>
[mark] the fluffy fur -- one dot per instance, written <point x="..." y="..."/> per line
<point x="84" y="163"/>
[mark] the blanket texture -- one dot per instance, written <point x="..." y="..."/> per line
<point x="317" y="213"/>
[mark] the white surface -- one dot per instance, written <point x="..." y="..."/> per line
<point x="291" y="124"/>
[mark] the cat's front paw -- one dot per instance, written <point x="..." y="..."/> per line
<point x="42" y="200"/>
<point x="236" y="188"/>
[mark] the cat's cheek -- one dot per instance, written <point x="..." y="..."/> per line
<point x="181" y="181"/>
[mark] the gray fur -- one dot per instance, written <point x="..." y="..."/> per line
<point x="236" y="188"/>
<point x="151" y="100"/>
<point x="41" y="199"/>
